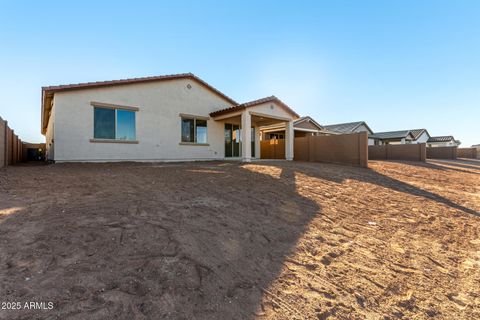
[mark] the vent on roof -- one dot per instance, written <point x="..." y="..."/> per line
<point x="189" y="86"/>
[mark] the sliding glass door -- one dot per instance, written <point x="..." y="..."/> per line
<point x="233" y="140"/>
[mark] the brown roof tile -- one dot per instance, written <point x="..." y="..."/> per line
<point x="245" y="105"/>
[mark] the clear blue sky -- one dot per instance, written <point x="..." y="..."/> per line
<point x="395" y="64"/>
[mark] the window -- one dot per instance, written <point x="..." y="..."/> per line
<point x="194" y="130"/>
<point x="113" y="124"/>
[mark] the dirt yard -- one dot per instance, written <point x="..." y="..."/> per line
<point x="267" y="240"/>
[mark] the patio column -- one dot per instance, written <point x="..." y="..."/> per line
<point x="289" y="139"/>
<point x="246" y="136"/>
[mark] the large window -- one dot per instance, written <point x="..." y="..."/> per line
<point x="114" y="124"/>
<point x="194" y="130"/>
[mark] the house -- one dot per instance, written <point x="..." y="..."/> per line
<point x="302" y="127"/>
<point x="351" y="127"/>
<point x="420" y="135"/>
<point x="392" y="137"/>
<point x="401" y="137"/>
<point x="443" y="141"/>
<point x="165" y="118"/>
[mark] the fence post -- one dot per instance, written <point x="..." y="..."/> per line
<point x="423" y="152"/>
<point x="310" y="148"/>
<point x="363" y="149"/>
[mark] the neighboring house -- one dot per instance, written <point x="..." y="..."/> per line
<point x="302" y="127"/>
<point x="165" y="118"/>
<point x="392" y="137"/>
<point x="443" y="141"/>
<point x="401" y="137"/>
<point x="351" y="127"/>
<point x="420" y="135"/>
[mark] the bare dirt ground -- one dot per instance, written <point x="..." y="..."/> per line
<point x="267" y="240"/>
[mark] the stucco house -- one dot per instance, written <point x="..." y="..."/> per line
<point x="443" y="141"/>
<point x="401" y="137"/>
<point x="420" y="135"/>
<point x="351" y="127"/>
<point x="165" y="118"/>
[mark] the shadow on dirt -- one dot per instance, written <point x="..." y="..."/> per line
<point x="370" y="176"/>
<point x="443" y="165"/>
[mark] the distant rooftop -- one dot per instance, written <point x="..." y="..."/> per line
<point x="347" y="127"/>
<point x="441" y="139"/>
<point x="392" y="135"/>
<point x="416" y="133"/>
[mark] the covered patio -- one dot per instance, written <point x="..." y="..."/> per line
<point x="245" y="144"/>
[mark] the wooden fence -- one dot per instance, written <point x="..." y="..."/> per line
<point x="272" y="149"/>
<point x="467" y="153"/>
<point x="351" y="149"/>
<point x="441" y="152"/>
<point x="409" y="152"/>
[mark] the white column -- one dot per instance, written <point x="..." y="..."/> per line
<point x="258" y="134"/>
<point x="246" y="136"/>
<point x="289" y="140"/>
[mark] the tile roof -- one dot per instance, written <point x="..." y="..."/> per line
<point x="245" y="105"/>
<point x="48" y="92"/>
<point x="87" y="85"/>
<point x="391" y="134"/>
<point x="347" y="127"/>
<point x="418" y="132"/>
<point x="441" y="139"/>
<point x="308" y="118"/>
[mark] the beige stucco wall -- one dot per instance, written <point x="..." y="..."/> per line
<point x="271" y="109"/>
<point x="158" y="125"/>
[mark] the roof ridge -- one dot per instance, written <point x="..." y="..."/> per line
<point x="146" y="78"/>
<point x="247" y="104"/>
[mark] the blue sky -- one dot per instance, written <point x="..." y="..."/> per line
<point x="395" y="64"/>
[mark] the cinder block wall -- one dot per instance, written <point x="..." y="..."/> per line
<point x="351" y="149"/>
<point x="11" y="146"/>
<point x="467" y="153"/>
<point x="3" y="143"/>
<point x="442" y="153"/>
<point x="409" y="152"/>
